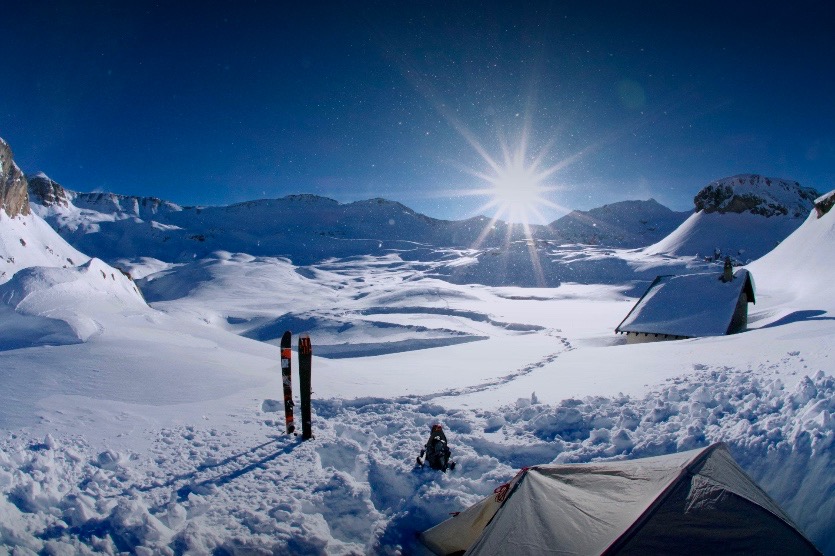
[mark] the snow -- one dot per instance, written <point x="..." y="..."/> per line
<point x="744" y="236"/>
<point x="624" y="224"/>
<point x="157" y="428"/>
<point x="800" y="266"/>
<point x="27" y="241"/>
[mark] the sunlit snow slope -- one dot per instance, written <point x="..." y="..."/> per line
<point x="26" y="241"/>
<point x="744" y="236"/>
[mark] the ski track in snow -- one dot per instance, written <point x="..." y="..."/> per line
<point x="550" y="358"/>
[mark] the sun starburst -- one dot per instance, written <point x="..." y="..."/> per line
<point x="516" y="188"/>
<point x="517" y="191"/>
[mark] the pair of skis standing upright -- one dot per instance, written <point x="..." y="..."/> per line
<point x="305" y="358"/>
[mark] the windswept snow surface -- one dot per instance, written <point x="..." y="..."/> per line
<point x="163" y="432"/>
<point x="743" y="237"/>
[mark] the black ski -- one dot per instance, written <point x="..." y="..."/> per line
<point x="286" y="379"/>
<point x="305" y="359"/>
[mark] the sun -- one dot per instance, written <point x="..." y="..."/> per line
<point x="517" y="191"/>
<point x="516" y="188"/>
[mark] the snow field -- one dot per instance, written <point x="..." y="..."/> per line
<point x="352" y="490"/>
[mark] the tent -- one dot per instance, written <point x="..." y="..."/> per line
<point x="695" y="502"/>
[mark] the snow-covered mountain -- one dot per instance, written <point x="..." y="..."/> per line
<point x="25" y="239"/>
<point x="742" y="216"/>
<point x="50" y="293"/>
<point x="801" y="266"/>
<point x="309" y="227"/>
<point x="626" y="224"/>
<point x="49" y="193"/>
<point x="115" y="227"/>
<point x="112" y="226"/>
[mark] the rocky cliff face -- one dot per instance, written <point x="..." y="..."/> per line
<point x="14" y="193"/>
<point x="758" y="195"/>
<point x="46" y="191"/>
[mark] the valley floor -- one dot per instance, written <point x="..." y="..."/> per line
<point x="163" y="433"/>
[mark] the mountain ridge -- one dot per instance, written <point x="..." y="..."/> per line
<point x="630" y="223"/>
<point x="113" y="225"/>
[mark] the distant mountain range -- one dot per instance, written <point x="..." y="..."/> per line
<point x="626" y="224"/>
<point x="744" y="216"/>
<point x="115" y="226"/>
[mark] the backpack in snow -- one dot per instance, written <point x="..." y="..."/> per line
<point x="436" y="450"/>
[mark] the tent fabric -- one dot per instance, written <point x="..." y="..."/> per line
<point x="457" y="534"/>
<point x="720" y="522"/>
<point x="688" y="305"/>
<point x="691" y="502"/>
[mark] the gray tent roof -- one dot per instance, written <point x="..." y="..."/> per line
<point x="693" y="502"/>
<point x="688" y="305"/>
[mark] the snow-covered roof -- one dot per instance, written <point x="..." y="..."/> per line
<point x="689" y="305"/>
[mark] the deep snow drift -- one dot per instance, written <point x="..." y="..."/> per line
<point x="156" y="428"/>
<point x="744" y="237"/>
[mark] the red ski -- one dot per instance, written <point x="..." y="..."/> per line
<point x="287" y="380"/>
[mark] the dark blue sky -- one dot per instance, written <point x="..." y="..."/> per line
<point x="220" y="102"/>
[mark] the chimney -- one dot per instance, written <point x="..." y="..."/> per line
<point x="728" y="270"/>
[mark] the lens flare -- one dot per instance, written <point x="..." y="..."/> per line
<point x="518" y="192"/>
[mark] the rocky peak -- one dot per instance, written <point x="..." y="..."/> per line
<point x="142" y="207"/>
<point x="46" y="192"/>
<point x="14" y="193"/>
<point x="824" y="203"/>
<point x="758" y="195"/>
